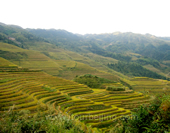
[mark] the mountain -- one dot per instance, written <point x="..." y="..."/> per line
<point x="145" y="45"/>
<point x="60" y="38"/>
<point x="38" y="53"/>
<point x="62" y="53"/>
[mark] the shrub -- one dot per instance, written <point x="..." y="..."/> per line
<point x="23" y="121"/>
<point x="152" y="118"/>
<point x="113" y="88"/>
<point x="47" y="88"/>
<point x="92" y="81"/>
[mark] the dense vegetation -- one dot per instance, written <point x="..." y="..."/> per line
<point x="23" y="121"/>
<point x="97" y="50"/>
<point x="18" y="36"/>
<point x="146" y="61"/>
<point x="92" y="81"/>
<point x="151" y="118"/>
<point x="12" y="55"/>
<point x="113" y="88"/>
<point x="133" y="69"/>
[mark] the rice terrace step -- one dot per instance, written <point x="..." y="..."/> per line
<point x="36" y="90"/>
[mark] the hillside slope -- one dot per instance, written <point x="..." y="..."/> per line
<point x="51" y="50"/>
<point x="128" y="47"/>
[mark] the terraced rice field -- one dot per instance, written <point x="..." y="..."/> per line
<point x="151" y="86"/>
<point x="100" y="108"/>
<point x="36" y="90"/>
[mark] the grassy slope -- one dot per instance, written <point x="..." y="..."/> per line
<point x="150" y="67"/>
<point x="33" y="59"/>
<point x="4" y="62"/>
<point x="56" y="61"/>
<point x="129" y="44"/>
<point x="151" y="86"/>
<point x="63" y="63"/>
<point x="92" y="63"/>
<point x="50" y="58"/>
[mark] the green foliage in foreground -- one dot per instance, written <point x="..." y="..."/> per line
<point x="92" y="81"/>
<point x="23" y="121"/>
<point x="134" y="69"/>
<point x="153" y="118"/>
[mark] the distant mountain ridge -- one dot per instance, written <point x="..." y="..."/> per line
<point x="124" y="47"/>
<point x="146" y="45"/>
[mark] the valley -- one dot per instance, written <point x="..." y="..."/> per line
<point x="95" y="79"/>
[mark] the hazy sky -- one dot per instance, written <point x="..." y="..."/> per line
<point x="90" y="16"/>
